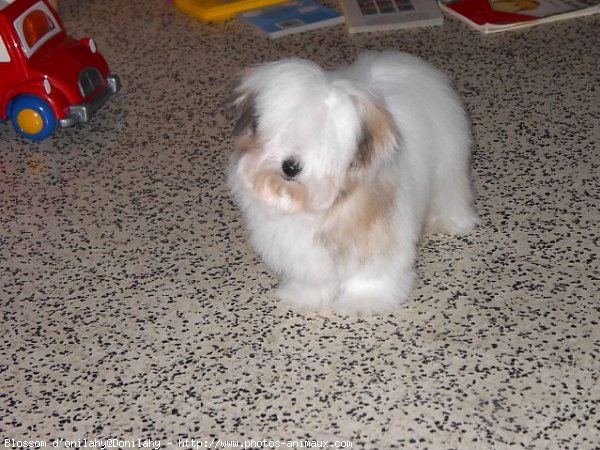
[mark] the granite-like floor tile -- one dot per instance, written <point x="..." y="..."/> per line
<point x="132" y="306"/>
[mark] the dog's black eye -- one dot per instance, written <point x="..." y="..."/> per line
<point x="291" y="168"/>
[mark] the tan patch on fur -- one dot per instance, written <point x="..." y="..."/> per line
<point x="360" y="222"/>
<point x="245" y="135"/>
<point x="287" y="195"/>
<point x="244" y="112"/>
<point x="245" y="144"/>
<point x="379" y="135"/>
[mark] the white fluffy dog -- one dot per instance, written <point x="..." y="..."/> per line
<point x="338" y="174"/>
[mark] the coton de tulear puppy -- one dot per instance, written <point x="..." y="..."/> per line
<point x="338" y="173"/>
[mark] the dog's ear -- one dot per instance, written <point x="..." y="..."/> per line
<point x="243" y="110"/>
<point x="379" y="136"/>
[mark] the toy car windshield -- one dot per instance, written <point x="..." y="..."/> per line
<point x="35" y="26"/>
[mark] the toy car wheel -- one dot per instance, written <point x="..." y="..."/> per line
<point x="32" y="117"/>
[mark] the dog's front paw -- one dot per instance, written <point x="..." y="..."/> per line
<point x="362" y="296"/>
<point x="452" y="224"/>
<point x="366" y="304"/>
<point x="301" y="296"/>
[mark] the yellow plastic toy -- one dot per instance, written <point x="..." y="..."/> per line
<point x="213" y="10"/>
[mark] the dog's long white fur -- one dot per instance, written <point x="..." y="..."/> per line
<point x="384" y="149"/>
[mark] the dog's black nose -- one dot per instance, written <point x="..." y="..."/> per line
<point x="291" y="168"/>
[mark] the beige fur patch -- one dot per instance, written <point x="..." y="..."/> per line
<point x="360" y="222"/>
<point x="379" y="135"/>
<point x="244" y="111"/>
<point x="287" y="195"/>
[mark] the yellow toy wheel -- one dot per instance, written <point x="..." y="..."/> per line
<point x="30" y="121"/>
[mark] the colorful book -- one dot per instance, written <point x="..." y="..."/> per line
<point x="380" y="15"/>
<point x="291" y="17"/>
<point x="492" y="16"/>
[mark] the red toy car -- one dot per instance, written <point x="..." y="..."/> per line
<point x="46" y="77"/>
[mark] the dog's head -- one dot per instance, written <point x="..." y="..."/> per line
<point x="304" y="137"/>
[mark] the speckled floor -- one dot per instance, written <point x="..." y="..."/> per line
<point x="132" y="306"/>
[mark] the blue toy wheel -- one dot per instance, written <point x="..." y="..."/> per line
<point x="32" y="117"/>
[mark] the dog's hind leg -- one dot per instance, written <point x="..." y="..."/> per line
<point x="451" y="206"/>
